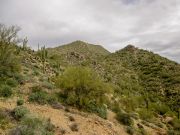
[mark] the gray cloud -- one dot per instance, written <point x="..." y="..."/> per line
<point x="148" y="24"/>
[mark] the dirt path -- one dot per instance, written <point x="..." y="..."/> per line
<point x="87" y="124"/>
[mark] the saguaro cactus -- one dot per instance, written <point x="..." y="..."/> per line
<point x="44" y="54"/>
<point x="25" y="41"/>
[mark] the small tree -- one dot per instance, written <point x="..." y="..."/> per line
<point x="83" y="88"/>
<point x="9" y="63"/>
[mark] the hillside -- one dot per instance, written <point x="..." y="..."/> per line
<point x="81" y="88"/>
<point x="76" y="53"/>
<point x="141" y="80"/>
<point x="159" y="76"/>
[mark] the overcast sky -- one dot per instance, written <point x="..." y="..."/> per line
<point x="147" y="24"/>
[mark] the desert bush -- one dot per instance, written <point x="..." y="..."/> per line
<point x="11" y="82"/>
<point x="36" y="72"/>
<point x="41" y="97"/>
<point x="36" y="88"/>
<point x="4" y="120"/>
<point x="20" y="111"/>
<point x="100" y="110"/>
<point x="19" y="78"/>
<point x="74" y="127"/>
<point x="47" y="85"/>
<point x="145" y="114"/>
<point x="125" y="118"/>
<point x="20" y="102"/>
<point x="32" y="125"/>
<point x="82" y="87"/>
<point x="160" y="108"/>
<point x="5" y="91"/>
<point x="71" y="118"/>
<point x="52" y="99"/>
<point x="176" y="124"/>
<point x="172" y="132"/>
<point x="62" y="131"/>
<point x="142" y="131"/>
<point x="130" y="130"/>
<point x="170" y="114"/>
<point x="9" y="61"/>
<point x="115" y="107"/>
<point x="134" y="115"/>
<point x="159" y="124"/>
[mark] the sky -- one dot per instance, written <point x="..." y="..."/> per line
<point x="148" y="24"/>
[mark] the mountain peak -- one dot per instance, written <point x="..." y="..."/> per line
<point x="130" y="47"/>
<point x="79" y="42"/>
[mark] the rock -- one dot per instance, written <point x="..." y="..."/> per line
<point x="140" y="126"/>
<point x="58" y="106"/>
<point x="71" y="118"/>
<point x="74" y="127"/>
<point x="168" y="119"/>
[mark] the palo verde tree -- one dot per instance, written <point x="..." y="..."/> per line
<point x="9" y="62"/>
<point x="84" y="89"/>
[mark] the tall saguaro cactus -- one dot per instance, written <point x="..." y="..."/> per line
<point x="44" y="54"/>
<point x="25" y="41"/>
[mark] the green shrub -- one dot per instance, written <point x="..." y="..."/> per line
<point x="12" y="82"/>
<point x="145" y="114"/>
<point x="172" y="132"/>
<point x="125" y="118"/>
<point x="176" y="124"/>
<point x="32" y="125"/>
<point x="81" y="86"/>
<point x="9" y="60"/>
<point x="170" y="114"/>
<point x="20" y="79"/>
<point x="36" y="88"/>
<point x="36" y="72"/>
<point x="142" y="131"/>
<point x="4" y="120"/>
<point x="115" y="107"/>
<point x="161" y="108"/>
<point x="5" y="91"/>
<point x="52" y="99"/>
<point x="20" y="102"/>
<point x="47" y="85"/>
<point x="134" y="115"/>
<point x="130" y="130"/>
<point x="20" y="111"/>
<point x="100" y="110"/>
<point x="41" y="97"/>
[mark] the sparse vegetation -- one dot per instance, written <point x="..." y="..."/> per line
<point x="32" y="125"/>
<point x="41" y="97"/>
<point x="11" y="82"/>
<point x="130" y="130"/>
<point x="5" y="91"/>
<point x="4" y="120"/>
<point x="20" y="102"/>
<point x="137" y="85"/>
<point x="20" y="111"/>
<point x="145" y="114"/>
<point x="74" y="127"/>
<point x="125" y="118"/>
